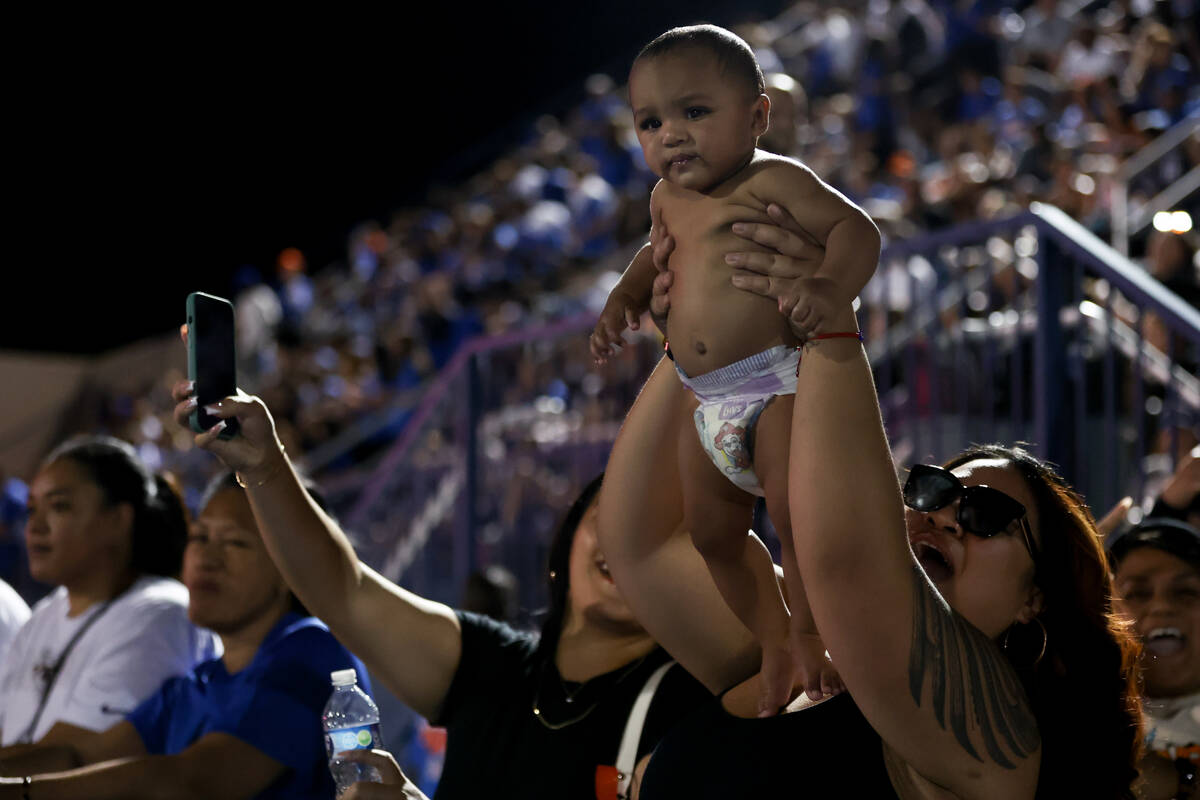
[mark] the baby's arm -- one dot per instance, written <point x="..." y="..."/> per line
<point x="629" y="299"/>
<point x="850" y="238"/>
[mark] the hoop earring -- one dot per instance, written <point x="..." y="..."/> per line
<point x="1045" y="640"/>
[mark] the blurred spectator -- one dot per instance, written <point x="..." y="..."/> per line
<point x="245" y="725"/>
<point x="492" y="592"/>
<point x="1180" y="497"/>
<point x="789" y="106"/>
<point x="1171" y="258"/>
<point x="1157" y="574"/>
<point x="110" y="536"/>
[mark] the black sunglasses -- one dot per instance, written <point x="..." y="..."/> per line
<point x="982" y="510"/>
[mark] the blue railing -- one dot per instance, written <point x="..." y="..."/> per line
<point x="1027" y="329"/>
<point x="1033" y="329"/>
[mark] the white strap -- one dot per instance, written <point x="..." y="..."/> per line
<point x="627" y="754"/>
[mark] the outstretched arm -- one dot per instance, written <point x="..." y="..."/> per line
<point x="935" y="688"/>
<point x="410" y="643"/>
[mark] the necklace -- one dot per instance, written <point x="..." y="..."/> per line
<point x="569" y="697"/>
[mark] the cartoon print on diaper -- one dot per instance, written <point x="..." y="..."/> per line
<point x="731" y="440"/>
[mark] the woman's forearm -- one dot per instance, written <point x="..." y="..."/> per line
<point x="314" y="555"/>
<point x="32" y="759"/>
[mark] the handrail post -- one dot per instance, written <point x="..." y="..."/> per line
<point x="1053" y="440"/>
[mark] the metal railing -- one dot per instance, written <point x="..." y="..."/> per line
<point x="1033" y="329"/>
<point x="1127" y="222"/>
<point x="1028" y="329"/>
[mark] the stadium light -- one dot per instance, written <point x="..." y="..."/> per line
<point x="1172" y="221"/>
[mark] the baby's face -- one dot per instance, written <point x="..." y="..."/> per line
<point x="696" y="126"/>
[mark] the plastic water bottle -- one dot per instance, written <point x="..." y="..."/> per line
<point x="351" y="721"/>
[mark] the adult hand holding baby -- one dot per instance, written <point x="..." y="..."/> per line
<point x="786" y="275"/>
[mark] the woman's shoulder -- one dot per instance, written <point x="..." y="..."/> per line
<point x="52" y="604"/>
<point x="153" y="591"/>
<point x="479" y="631"/>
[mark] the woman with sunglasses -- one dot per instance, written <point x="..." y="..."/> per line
<point x="970" y="616"/>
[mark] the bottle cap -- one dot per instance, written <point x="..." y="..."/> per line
<point x="344" y="677"/>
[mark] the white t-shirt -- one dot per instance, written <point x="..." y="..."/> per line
<point x="13" y="613"/>
<point x="1173" y="726"/>
<point x="143" y="638"/>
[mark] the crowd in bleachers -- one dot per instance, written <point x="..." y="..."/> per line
<point x="925" y="113"/>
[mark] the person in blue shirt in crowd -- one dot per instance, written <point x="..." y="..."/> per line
<point x="246" y="725"/>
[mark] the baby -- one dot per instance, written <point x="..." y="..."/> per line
<point x="699" y="108"/>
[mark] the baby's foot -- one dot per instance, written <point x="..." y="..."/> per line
<point x="776" y="678"/>
<point x="818" y="677"/>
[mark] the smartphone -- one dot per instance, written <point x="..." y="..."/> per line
<point x="212" y="360"/>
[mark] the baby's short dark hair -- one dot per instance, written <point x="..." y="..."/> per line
<point x="731" y="51"/>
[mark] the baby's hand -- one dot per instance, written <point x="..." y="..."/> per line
<point x="818" y="677"/>
<point x="811" y="306"/>
<point x="620" y="312"/>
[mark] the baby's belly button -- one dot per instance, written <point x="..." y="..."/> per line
<point x="699" y="347"/>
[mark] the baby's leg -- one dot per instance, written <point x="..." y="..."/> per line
<point x="772" y="437"/>
<point x="719" y="517"/>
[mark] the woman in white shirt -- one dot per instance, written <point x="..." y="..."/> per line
<point x="13" y="613"/>
<point x="110" y="535"/>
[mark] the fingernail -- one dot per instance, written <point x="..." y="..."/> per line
<point x="213" y="409"/>
<point x="191" y="386"/>
<point x="733" y="258"/>
<point x="191" y="403"/>
<point x="220" y="426"/>
<point x="739" y="227"/>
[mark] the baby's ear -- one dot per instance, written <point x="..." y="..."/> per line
<point x="761" y="114"/>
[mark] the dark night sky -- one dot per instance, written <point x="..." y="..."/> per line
<point x="152" y="164"/>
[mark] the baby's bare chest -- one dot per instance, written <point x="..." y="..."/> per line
<point x="702" y="223"/>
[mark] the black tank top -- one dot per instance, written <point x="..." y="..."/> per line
<point x="826" y="750"/>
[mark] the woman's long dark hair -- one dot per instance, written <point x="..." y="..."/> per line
<point x="160" y="524"/>
<point x="1084" y="689"/>
<point x="558" y="568"/>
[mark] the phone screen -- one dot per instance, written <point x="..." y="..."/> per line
<point x="212" y="357"/>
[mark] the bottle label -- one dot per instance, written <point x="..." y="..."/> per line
<point x="362" y="737"/>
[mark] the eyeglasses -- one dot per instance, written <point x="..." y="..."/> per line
<point x="982" y="510"/>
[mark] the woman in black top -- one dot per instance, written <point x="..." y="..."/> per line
<point x="527" y="716"/>
<point x="972" y="627"/>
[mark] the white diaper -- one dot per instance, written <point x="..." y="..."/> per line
<point x="731" y="398"/>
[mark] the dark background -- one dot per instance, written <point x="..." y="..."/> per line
<point x="151" y="157"/>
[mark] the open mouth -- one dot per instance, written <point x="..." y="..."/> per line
<point x="1163" y="642"/>
<point x="936" y="563"/>
<point x="680" y="160"/>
